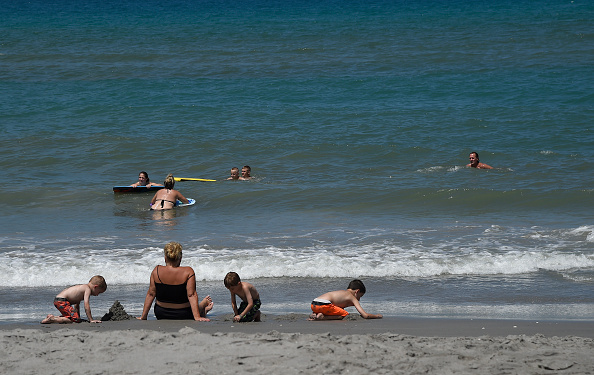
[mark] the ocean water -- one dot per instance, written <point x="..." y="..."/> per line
<point x="356" y="118"/>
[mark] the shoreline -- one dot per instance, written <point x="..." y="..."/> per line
<point x="353" y="324"/>
<point x="289" y="344"/>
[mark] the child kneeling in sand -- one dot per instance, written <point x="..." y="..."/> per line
<point x="249" y="309"/>
<point x="330" y="306"/>
<point x="68" y="301"/>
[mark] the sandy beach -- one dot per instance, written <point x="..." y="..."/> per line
<point x="289" y="344"/>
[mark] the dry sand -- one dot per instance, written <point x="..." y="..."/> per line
<point x="289" y="344"/>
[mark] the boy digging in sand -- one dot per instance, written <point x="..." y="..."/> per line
<point x="330" y="306"/>
<point x="249" y="309"/>
<point x="68" y="301"/>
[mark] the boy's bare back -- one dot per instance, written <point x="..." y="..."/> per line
<point x="340" y="298"/>
<point x="75" y="293"/>
<point x="247" y="288"/>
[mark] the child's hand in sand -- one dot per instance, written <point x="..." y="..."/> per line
<point x="237" y="318"/>
<point x="95" y="321"/>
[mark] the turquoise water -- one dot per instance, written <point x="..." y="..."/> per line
<point x="357" y="119"/>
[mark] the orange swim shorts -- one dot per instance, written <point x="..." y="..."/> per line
<point x="66" y="309"/>
<point x="327" y="308"/>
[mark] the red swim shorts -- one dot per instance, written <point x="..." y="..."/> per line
<point x="328" y="309"/>
<point x="66" y="309"/>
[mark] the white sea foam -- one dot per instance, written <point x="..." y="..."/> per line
<point x="124" y="266"/>
<point x="430" y="169"/>
<point x="438" y="168"/>
<point x="584" y="230"/>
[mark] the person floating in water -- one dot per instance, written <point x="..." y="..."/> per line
<point x="234" y="174"/>
<point x="166" y="199"/>
<point x="475" y="163"/>
<point x="245" y="173"/>
<point x="144" y="180"/>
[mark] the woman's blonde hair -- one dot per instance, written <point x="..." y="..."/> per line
<point x="173" y="251"/>
<point x="169" y="181"/>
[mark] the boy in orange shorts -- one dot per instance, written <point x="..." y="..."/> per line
<point x="68" y="301"/>
<point x="330" y="306"/>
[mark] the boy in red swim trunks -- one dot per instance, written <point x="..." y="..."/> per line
<point x="330" y="306"/>
<point x="68" y="301"/>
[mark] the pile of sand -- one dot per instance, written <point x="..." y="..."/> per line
<point x="116" y="313"/>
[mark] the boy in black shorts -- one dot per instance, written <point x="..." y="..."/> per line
<point x="249" y="309"/>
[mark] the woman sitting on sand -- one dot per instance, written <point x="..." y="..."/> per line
<point x="165" y="199"/>
<point x="174" y="287"/>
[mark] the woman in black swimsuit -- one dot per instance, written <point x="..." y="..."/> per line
<point x="174" y="289"/>
<point x="165" y="199"/>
